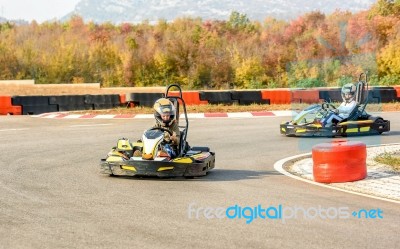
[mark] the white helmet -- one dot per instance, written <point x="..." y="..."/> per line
<point x="164" y="107"/>
<point x="348" y="92"/>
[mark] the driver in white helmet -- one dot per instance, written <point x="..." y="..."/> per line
<point x="345" y="108"/>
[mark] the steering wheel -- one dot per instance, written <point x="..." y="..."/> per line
<point x="164" y="130"/>
<point x="328" y="106"/>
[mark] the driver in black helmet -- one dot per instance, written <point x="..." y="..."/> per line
<point x="165" y="115"/>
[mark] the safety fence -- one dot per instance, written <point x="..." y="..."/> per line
<point x="32" y="105"/>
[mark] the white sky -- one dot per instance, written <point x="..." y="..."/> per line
<point x="39" y="10"/>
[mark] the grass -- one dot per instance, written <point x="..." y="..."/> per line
<point x="390" y="159"/>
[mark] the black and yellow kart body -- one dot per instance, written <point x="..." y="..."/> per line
<point x="308" y="122"/>
<point x="190" y="161"/>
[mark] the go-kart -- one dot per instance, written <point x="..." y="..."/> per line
<point x="153" y="160"/>
<point x="309" y="123"/>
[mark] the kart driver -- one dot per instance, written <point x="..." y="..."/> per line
<point x="344" y="110"/>
<point x="165" y="115"/>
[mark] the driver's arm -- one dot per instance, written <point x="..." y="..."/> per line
<point x="175" y="134"/>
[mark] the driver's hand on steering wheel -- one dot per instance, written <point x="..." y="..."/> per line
<point x="167" y="137"/>
<point x="170" y="138"/>
<point x="174" y="139"/>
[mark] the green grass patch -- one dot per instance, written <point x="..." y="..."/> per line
<point x="390" y="159"/>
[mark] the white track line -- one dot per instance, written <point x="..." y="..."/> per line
<point x="20" y="129"/>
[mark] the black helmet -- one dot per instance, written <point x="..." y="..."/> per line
<point x="164" y="107"/>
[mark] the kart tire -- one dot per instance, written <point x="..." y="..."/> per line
<point x="379" y="121"/>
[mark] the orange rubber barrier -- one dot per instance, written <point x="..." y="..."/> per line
<point x="124" y="102"/>
<point x="7" y="108"/>
<point x="397" y="88"/>
<point x="339" y="161"/>
<point x="190" y="97"/>
<point x="122" y="98"/>
<point x="305" y="96"/>
<point x="276" y="96"/>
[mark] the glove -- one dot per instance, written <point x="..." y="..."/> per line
<point x="173" y="138"/>
<point x="167" y="137"/>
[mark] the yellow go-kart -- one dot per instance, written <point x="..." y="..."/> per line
<point x="152" y="160"/>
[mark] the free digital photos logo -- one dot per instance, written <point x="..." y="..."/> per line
<point x="279" y="212"/>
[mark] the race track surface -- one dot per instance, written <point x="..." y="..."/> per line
<point x="52" y="194"/>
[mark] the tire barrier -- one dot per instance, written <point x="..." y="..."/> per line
<point x="70" y="102"/>
<point x="248" y="97"/>
<point x="305" y="96"/>
<point x="376" y="95"/>
<point x="103" y="101"/>
<point x="190" y="97"/>
<point x="143" y="99"/>
<point x="38" y="109"/>
<point x="339" y="161"/>
<point x="215" y="98"/>
<point x="6" y="107"/>
<point x="277" y="96"/>
<point x="397" y="89"/>
<point x="30" y="100"/>
<point x="32" y="105"/>
<point x="330" y="95"/>
<point x="42" y="104"/>
<point x="383" y="94"/>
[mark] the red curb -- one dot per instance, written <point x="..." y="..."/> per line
<point x="61" y="115"/>
<point x="88" y="116"/>
<point x="259" y="114"/>
<point x="125" y="116"/>
<point x="45" y="115"/>
<point x="216" y="115"/>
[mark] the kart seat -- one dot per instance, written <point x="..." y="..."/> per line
<point x="362" y="99"/>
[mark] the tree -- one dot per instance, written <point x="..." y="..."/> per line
<point x="385" y="8"/>
<point x="389" y="60"/>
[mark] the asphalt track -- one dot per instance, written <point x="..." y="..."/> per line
<point x="53" y="196"/>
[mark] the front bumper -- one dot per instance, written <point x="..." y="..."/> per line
<point x="187" y="167"/>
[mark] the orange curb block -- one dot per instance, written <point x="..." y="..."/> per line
<point x="305" y="96"/>
<point x="190" y="97"/>
<point x="6" y="107"/>
<point x="277" y="96"/>
<point x="397" y="88"/>
<point x="339" y="161"/>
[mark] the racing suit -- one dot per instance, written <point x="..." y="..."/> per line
<point x="342" y="112"/>
<point x="171" y="149"/>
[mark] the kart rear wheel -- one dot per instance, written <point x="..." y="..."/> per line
<point x="379" y="121"/>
